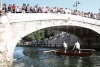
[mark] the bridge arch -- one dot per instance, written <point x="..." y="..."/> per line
<point x="16" y="26"/>
<point x="24" y="28"/>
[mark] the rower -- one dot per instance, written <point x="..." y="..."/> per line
<point x="76" y="46"/>
<point x="65" y="46"/>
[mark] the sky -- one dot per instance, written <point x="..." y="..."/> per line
<point x="86" y="5"/>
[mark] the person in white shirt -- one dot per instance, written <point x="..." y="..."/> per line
<point x="77" y="46"/>
<point x="66" y="11"/>
<point x="65" y="46"/>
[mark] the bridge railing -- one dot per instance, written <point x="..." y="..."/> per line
<point x="27" y="17"/>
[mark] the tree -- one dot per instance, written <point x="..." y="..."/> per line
<point x="49" y="33"/>
<point x="26" y="38"/>
<point x="40" y="34"/>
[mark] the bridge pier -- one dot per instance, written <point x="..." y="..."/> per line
<point x="6" y="49"/>
<point x="6" y="60"/>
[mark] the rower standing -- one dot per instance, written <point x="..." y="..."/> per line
<point x="76" y="47"/>
<point x="65" y="46"/>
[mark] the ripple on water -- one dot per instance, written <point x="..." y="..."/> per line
<point x="37" y="58"/>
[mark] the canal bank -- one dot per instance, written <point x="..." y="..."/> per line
<point x="46" y="46"/>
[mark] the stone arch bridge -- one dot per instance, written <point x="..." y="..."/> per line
<point x="14" y="26"/>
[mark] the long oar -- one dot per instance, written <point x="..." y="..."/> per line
<point x="49" y="51"/>
<point x="89" y="49"/>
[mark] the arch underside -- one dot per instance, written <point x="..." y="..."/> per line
<point x="76" y="30"/>
<point x="79" y="29"/>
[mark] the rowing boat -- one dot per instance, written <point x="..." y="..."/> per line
<point x="73" y="53"/>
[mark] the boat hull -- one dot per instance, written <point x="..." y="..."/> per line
<point x="73" y="53"/>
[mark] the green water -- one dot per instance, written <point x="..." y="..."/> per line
<point x="35" y="57"/>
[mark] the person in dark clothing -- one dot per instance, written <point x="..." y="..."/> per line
<point x="1" y="12"/>
<point x="9" y="8"/>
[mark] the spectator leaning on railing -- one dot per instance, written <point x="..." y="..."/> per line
<point x="1" y="12"/>
<point x="27" y="8"/>
<point x="4" y="8"/>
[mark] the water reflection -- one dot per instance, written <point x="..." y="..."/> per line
<point x="31" y="53"/>
<point x="87" y="62"/>
<point x="35" y="57"/>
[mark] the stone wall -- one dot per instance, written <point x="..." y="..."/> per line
<point x="70" y="39"/>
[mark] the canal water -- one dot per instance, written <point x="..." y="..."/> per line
<point x="35" y="57"/>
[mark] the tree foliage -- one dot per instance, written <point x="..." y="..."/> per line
<point x="40" y="34"/>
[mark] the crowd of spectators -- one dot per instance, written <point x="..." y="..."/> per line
<point x="27" y="8"/>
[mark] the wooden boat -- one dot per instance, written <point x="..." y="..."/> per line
<point x="84" y="53"/>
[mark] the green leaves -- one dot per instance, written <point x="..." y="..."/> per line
<point x="40" y="34"/>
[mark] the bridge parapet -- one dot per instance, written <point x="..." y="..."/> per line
<point x="27" y="17"/>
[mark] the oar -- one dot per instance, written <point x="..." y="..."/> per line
<point x="49" y="51"/>
<point x="88" y="49"/>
